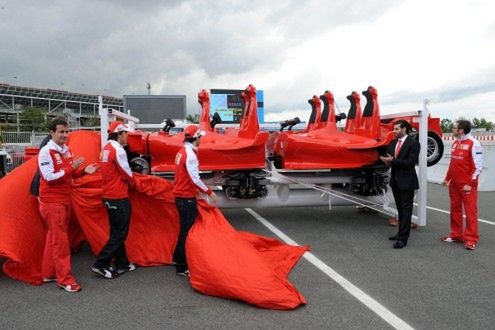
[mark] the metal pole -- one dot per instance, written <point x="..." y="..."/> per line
<point x="103" y="121"/>
<point x="423" y="141"/>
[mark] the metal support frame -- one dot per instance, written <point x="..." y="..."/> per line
<point x="310" y="191"/>
<point x="423" y="157"/>
<point x="423" y="160"/>
<point x="105" y="113"/>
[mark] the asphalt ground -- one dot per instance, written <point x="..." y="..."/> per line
<point x="427" y="285"/>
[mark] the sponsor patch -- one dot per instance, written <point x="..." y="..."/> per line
<point x="45" y="163"/>
<point x="57" y="157"/>
<point x="104" y="156"/>
<point x="465" y="146"/>
<point x="479" y="153"/>
<point x="59" y="162"/>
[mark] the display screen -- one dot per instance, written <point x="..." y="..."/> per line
<point x="228" y="104"/>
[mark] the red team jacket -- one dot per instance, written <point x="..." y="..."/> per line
<point x="55" y="165"/>
<point x="115" y="171"/>
<point x="187" y="180"/>
<point x="466" y="161"/>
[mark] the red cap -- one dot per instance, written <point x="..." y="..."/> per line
<point x="118" y="126"/>
<point x="192" y="131"/>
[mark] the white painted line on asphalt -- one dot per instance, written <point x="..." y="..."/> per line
<point x="360" y="295"/>
<point x="447" y="212"/>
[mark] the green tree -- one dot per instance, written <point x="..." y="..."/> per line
<point x="193" y="119"/>
<point x="446" y="125"/>
<point x="34" y="118"/>
<point x="93" y="121"/>
<point x="482" y="123"/>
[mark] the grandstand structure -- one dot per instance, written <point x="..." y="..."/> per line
<point x="79" y="108"/>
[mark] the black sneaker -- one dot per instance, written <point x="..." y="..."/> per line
<point x="184" y="273"/>
<point x="107" y="273"/>
<point x="129" y="268"/>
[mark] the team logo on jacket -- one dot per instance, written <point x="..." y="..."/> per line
<point x="104" y="155"/>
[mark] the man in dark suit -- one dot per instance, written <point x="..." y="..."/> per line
<point x="402" y="156"/>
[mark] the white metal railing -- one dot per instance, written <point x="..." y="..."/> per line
<point x="15" y="142"/>
<point x="30" y="138"/>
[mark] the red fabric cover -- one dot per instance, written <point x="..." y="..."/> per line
<point x="22" y="232"/>
<point x="223" y="262"/>
<point x="152" y="234"/>
<point x="240" y="265"/>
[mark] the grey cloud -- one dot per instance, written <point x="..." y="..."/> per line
<point x="119" y="45"/>
<point x="84" y="41"/>
<point x="95" y="45"/>
<point x="446" y="94"/>
<point x="302" y="19"/>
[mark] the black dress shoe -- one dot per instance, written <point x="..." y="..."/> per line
<point x="394" y="238"/>
<point x="400" y="244"/>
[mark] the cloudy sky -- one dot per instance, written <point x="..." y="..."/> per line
<point x="408" y="50"/>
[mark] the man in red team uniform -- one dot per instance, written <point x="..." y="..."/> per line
<point x="186" y="186"/>
<point x="117" y="177"/>
<point x="56" y="166"/>
<point x="462" y="180"/>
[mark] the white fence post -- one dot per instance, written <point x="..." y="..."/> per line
<point x="423" y="157"/>
<point x="103" y="121"/>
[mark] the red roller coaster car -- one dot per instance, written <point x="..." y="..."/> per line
<point x="236" y="159"/>
<point x="233" y="160"/>
<point x="366" y="135"/>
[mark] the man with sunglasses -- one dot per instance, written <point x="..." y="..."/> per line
<point x="462" y="180"/>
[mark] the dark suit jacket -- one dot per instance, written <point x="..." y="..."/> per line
<point x="35" y="184"/>
<point x="403" y="172"/>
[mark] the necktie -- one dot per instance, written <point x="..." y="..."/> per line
<point x="397" y="149"/>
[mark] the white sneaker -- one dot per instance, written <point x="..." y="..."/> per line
<point x="449" y="239"/>
<point x="129" y="268"/>
<point x="107" y="273"/>
<point x="71" y="287"/>
<point x="184" y="273"/>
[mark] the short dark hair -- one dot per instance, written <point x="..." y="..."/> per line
<point x="59" y="120"/>
<point x="190" y="139"/>
<point x="464" y="124"/>
<point x="113" y="136"/>
<point x="404" y="123"/>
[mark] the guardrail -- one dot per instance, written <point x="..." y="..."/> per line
<point x="437" y="173"/>
<point x="30" y="138"/>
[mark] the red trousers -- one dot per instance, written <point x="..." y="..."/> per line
<point x="468" y="199"/>
<point x="56" y="256"/>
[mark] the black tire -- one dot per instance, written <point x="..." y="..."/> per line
<point x="140" y="165"/>
<point x="435" y="148"/>
<point x="3" y="166"/>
